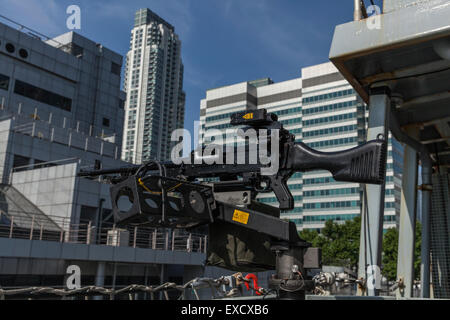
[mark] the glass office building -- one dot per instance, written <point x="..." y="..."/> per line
<point x="323" y="111"/>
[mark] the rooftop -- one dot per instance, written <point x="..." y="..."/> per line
<point x="145" y="16"/>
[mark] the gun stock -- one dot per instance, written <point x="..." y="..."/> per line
<point x="363" y="164"/>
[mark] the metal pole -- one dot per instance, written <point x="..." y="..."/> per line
<point x="173" y="240"/>
<point x="68" y="235"/>
<point x="372" y="217"/>
<point x="99" y="220"/>
<point x="189" y="243"/>
<point x="425" y="245"/>
<point x="100" y="278"/>
<point x="145" y="280"/>
<point x="11" y="227"/>
<point x="154" y="240"/>
<point x="406" y="240"/>
<point x="32" y="227"/>
<point x="167" y="241"/>
<point x="88" y="235"/>
<point x="426" y="189"/>
<point x="114" y="280"/>
<point x="357" y="14"/>
<point x="288" y="280"/>
<point x="361" y="290"/>
<point x="162" y="279"/>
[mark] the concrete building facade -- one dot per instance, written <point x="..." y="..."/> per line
<point x="69" y="81"/>
<point x="61" y="110"/>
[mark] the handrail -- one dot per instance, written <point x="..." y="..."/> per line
<point x="86" y="232"/>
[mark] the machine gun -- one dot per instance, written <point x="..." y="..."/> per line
<point x="244" y="234"/>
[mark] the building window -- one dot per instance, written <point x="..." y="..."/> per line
<point x="97" y="164"/>
<point x="20" y="162"/>
<point x="115" y="68"/>
<point x="4" y="82"/>
<point x="106" y="122"/>
<point x="41" y="95"/>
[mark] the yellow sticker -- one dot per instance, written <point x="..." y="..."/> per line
<point x="240" y="216"/>
<point x="248" y="116"/>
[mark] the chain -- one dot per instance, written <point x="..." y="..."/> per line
<point x="195" y="284"/>
<point x="90" y="290"/>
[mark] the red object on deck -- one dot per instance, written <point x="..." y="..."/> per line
<point x="253" y="277"/>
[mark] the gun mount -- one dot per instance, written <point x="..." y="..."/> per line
<point x="244" y="233"/>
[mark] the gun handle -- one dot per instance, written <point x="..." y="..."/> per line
<point x="282" y="192"/>
<point x="363" y="164"/>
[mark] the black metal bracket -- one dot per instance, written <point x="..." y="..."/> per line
<point x="187" y="204"/>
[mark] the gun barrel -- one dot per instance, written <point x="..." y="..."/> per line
<point x="128" y="170"/>
<point x="122" y="170"/>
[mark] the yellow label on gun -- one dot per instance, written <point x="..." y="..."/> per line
<point x="240" y="216"/>
<point x="248" y="116"/>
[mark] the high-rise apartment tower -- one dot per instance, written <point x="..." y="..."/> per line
<point x="154" y="86"/>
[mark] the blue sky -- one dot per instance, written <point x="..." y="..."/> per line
<point x="223" y="41"/>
